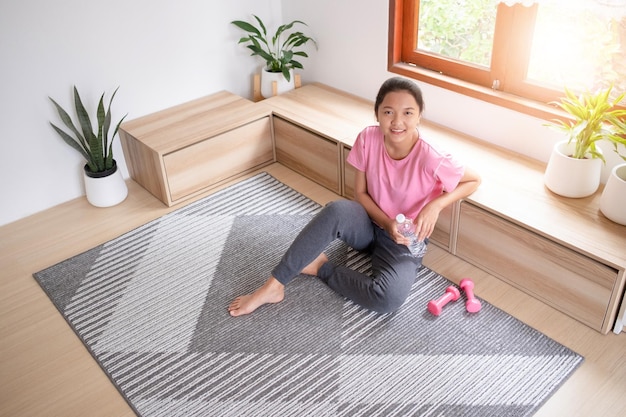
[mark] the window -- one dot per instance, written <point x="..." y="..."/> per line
<point x="517" y="56"/>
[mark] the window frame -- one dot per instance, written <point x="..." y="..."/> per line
<point x="475" y="82"/>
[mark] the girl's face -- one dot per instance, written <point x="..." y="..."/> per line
<point x="398" y="117"/>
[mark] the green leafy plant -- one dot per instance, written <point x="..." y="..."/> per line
<point x="279" y="50"/>
<point x="594" y="117"/>
<point x="95" y="147"/>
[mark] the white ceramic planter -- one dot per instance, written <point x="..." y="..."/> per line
<point x="570" y="177"/>
<point x="613" y="199"/>
<point x="267" y="78"/>
<point x="105" y="189"/>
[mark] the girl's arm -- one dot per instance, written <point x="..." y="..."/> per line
<point x="372" y="209"/>
<point x="427" y="218"/>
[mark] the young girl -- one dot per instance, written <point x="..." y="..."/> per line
<point x="397" y="172"/>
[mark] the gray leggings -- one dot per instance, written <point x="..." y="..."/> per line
<point x="393" y="267"/>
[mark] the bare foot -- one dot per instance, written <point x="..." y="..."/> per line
<point x="270" y="292"/>
<point x="314" y="267"/>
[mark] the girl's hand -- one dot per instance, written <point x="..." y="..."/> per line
<point x="392" y="228"/>
<point x="426" y="220"/>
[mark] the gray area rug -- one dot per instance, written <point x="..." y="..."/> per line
<point x="151" y="308"/>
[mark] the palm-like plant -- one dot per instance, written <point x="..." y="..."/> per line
<point x="279" y="50"/>
<point x="595" y="117"/>
<point x="95" y="147"/>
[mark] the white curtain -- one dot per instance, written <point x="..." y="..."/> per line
<point x="609" y="8"/>
<point x="616" y="4"/>
<point x="526" y="3"/>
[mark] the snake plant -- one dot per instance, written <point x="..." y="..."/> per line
<point x="95" y="147"/>
<point x="277" y="51"/>
<point x="594" y="117"/>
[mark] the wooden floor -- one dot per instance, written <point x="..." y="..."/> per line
<point x="46" y="371"/>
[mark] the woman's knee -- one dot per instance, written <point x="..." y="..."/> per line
<point x="345" y="209"/>
<point x="350" y="221"/>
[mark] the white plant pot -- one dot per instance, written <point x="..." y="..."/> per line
<point x="105" y="189"/>
<point x="570" y="177"/>
<point x="267" y="78"/>
<point x="613" y="199"/>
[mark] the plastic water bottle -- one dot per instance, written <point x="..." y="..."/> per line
<point x="407" y="228"/>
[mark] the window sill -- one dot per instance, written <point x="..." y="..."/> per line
<point x="510" y="101"/>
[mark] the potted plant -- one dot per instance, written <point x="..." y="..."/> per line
<point x="575" y="165"/>
<point x="104" y="184"/>
<point x="278" y="51"/>
<point x="613" y="199"/>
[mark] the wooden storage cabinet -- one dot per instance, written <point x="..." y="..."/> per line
<point x="180" y="152"/>
<point x="307" y="153"/>
<point x="561" y="251"/>
<point x="565" y="279"/>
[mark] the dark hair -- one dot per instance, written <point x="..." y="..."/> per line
<point x="399" y="84"/>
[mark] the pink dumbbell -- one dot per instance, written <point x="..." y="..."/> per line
<point x="472" y="305"/>
<point x="435" y="306"/>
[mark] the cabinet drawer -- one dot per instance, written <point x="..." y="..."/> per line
<point x="309" y="154"/>
<point x="567" y="280"/>
<point x="205" y="163"/>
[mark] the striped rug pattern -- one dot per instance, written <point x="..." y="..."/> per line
<point x="151" y="308"/>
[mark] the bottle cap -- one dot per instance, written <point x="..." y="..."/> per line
<point x="400" y="218"/>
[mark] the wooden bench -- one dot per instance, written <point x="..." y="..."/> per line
<point x="561" y="251"/>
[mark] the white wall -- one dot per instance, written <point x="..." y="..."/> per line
<point x="164" y="52"/>
<point x="160" y="53"/>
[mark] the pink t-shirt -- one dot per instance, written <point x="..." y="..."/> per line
<point x="406" y="185"/>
